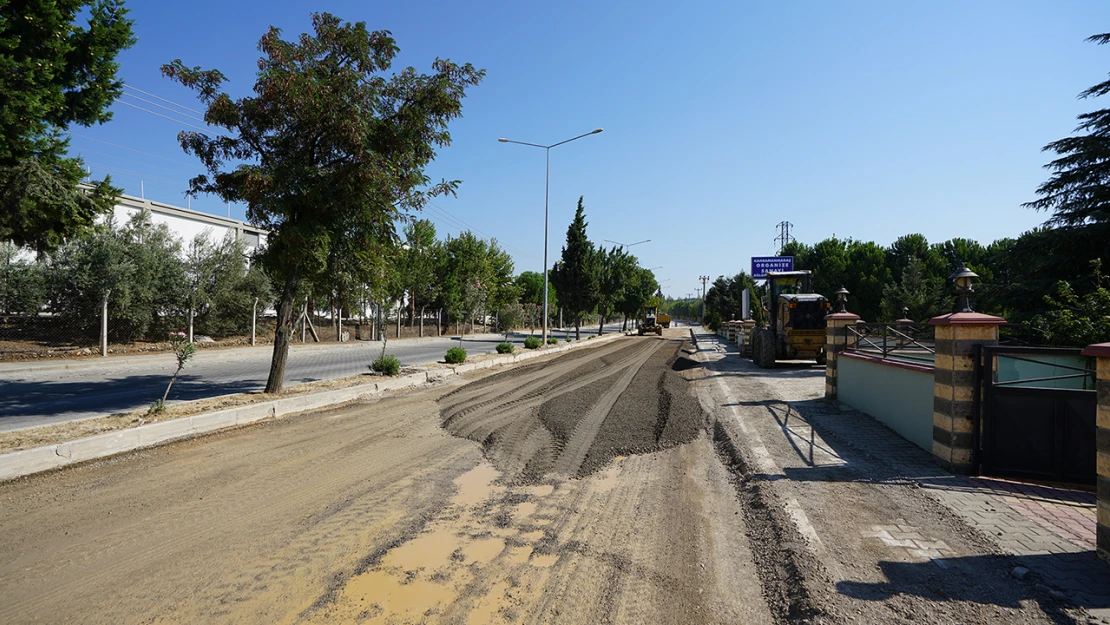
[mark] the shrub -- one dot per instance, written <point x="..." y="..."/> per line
<point x="532" y="342"/>
<point x="455" y="355"/>
<point x="386" y="365"/>
<point x="569" y="339"/>
<point x="505" y="348"/>
<point x="552" y="340"/>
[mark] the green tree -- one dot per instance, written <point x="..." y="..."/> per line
<point x="530" y="286"/>
<point x="466" y="275"/>
<point x="502" y="288"/>
<point x="925" y="296"/>
<point x="1076" y="320"/>
<point x="138" y="267"/>
<point x="222" y="287"/>
<point x="1077" y="192"/>
<point x="418" y="265"/>
<point x="54" y="72"/>
<point x="615" y="269"/>
<point x="911" y="247"/>
<point x="642" y="285"/>
<point x="576" y="275"/>
<point x="23" y="282"/>
<point x="330" y="149"/>
<point x="725" y="297"/>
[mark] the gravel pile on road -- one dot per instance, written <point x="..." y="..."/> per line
<point x="572" y="415"/>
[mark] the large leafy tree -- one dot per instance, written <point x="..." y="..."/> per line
<point x="418" y="265"/>
<point x="327" y="153"/>
<point x="615" y="270"/>
<point x="576" y="275"/>
<point x="639" y="291"/>
<point x="465" y="275"/>
<point x="54" y="71"/>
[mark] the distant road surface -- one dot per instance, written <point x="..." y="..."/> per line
<point x="30" y="397"/>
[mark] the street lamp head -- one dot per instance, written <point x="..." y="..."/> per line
<point x="842" y="298"/>
<point x="964" y="279"/>
<point x="597" y="131"/>
<point x="502" y="139"/>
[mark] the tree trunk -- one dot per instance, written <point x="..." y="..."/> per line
<point x="421" y="322"/>
<point x="399" y="321"/>
<point x="601" y="326"/>
<point x="282" y="334"/>
<point x="578" y="327"/>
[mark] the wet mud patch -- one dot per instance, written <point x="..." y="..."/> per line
<point x="573" y="416"/>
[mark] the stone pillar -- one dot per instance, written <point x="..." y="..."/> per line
<point x="834" y="344"/>
<point x="1102" y="441"/>
<point x="744" y="336"/>
<point x="957" y="334"/>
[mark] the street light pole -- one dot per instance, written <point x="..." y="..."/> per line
<point x="546" y="202"/>
<point x="626" y="245"/>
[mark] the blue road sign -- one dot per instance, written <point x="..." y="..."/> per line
<point x="762" y="264"/>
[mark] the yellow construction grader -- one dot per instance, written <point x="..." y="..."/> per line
<point x="796" y="321"/>
<point x="649" y="321"/>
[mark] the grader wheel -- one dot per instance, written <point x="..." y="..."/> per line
<point x="766" y="350"/>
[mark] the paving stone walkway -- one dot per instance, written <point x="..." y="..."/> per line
<point x="1051" y="531"/>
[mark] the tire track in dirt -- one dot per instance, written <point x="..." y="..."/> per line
<point x="570" y="417"/>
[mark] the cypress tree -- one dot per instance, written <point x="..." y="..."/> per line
<point x="575" y="276"/>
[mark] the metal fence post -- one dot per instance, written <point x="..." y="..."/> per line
<point x="254" y="320"/>
<point x="104" y="324"/>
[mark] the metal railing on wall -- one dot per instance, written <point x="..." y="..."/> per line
<point x="906" y="342"/>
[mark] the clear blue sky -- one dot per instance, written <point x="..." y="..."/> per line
<point x="866" y="120"/>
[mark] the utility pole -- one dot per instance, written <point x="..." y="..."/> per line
<point x="703" y="279"/>
<point x="784" y="234"/>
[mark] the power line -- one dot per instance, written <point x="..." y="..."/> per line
<point x="445" y="214"/>
<point x="122" y="147"/>
<point x="129" y="160"/>
<point x="204" y="130"/>
<point x="114" y="168"/>
<point x="175" y="112"/>
<point x="127" y="86"/>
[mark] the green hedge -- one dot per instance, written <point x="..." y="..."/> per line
<point x="386" y="365"/>
<point x="455" y="355"/>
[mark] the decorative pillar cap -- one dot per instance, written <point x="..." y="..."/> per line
<point x="842" y="316"/>
<point x="904" y="321"/>
<point x="1098" y="350"/>
<point x="967" y="319"/>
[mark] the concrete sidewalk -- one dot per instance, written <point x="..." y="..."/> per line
<point x="1049" y="531"/>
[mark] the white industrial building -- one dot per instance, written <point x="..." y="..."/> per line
<point x="186" y="224"/>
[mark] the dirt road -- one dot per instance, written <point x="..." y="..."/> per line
<point x="600" y="486"/>
<point x="374" y="513"/>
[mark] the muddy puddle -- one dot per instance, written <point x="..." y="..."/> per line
<point x="487" y="532"/>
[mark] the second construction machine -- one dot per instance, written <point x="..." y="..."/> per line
<point x="795" y="321"/>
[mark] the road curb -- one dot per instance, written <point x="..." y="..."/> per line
<point x="39" y="459"/>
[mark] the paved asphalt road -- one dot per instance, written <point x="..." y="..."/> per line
<point x="31" y="398"/>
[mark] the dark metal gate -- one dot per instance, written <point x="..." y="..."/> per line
<point x="1037" y="414"/>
